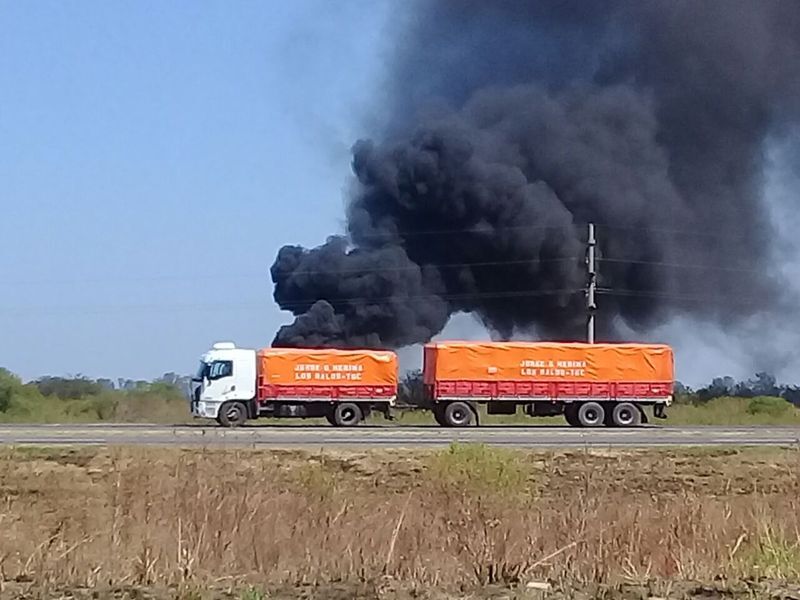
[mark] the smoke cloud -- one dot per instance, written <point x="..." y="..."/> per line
<point x="510" y="125"/>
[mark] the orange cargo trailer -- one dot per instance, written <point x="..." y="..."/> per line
<point x="343" y="386"/>
<point x="327" y="372"/>
<point x="591" y="384"/>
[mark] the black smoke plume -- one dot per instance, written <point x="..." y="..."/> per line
<point x="511" y="125"/>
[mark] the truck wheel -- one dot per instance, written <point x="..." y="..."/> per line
<point x="571" y="414"/>
<point x="457" y="414"/>
<point x="347" y="414"/>
<point x="232" y="414"/>
<point x="591" y="414"/>
<point x="626" y="414"/>
<point x="438" y="416"/>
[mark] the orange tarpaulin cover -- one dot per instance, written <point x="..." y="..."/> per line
<point x="286" y="366"/>
<point x="522" y="361"/>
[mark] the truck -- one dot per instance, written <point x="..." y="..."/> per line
<point x="234" y="384"/>
<point x="591" y="385"/>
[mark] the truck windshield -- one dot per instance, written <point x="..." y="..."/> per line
<point x="202" y="372"/>
<point x="219" y="369"/>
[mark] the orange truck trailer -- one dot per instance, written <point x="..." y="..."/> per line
<point x="590" y="384"/>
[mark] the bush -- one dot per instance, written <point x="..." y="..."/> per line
<point x="68" y="388"/>
<point x="411" y="390"/>
<point x="768" y="405"/>
<point x="65" y="400"/>
<point x="9" y="384"/>
<point x="480" y="468"/>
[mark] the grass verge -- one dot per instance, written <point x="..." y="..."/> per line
<point x="463" y="518"/>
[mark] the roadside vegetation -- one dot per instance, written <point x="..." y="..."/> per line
<point x="78" y="399"/>
<point x="465" y="521"/>
<point x="82" y="400"/>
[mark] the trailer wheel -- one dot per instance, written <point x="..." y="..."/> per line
<point x="626" y="414"/>
<point x="347" y="414"/>
<point x="571" y="414"/>
<point x="591" y="414"/>
<point x="457" y="414"/>
<point x="232" y="414"/>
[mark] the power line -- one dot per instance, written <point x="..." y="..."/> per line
<point x="406" y="234"/>
<point x="413" y="267"/>
<point x="405" y="299"/>
<point x="577" y="226"/>
<point x="656" y="263"/>
<point x="427" y="297"/>
<point x="416" y="267"/>
<point x="412" y="299"/>
<point x="679" y="297"/>
<point x="675" y="231"/>
<point x="477" y="228"/>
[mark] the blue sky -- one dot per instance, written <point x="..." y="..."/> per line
<point x="153" y="158"/>
<point x="155" y="155"/>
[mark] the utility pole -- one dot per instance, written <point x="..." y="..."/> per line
<point x="591" y="285"/>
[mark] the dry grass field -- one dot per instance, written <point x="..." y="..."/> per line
<point x="467" y="522"/>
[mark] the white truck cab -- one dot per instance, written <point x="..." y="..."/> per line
<point x="226" y="373"/>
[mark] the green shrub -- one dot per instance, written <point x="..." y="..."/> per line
<point x="9" y="385"/>
<point x="773" y="555"/>
<point x="479" y="467"/>
<point x="767" y="405"/>
<point x="102" y="407"/>
<point x="25" y="403"/>
<point x="68" y="388"/>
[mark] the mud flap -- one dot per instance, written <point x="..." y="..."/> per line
<point x="658" y="411"/>
<point x="475" y="413"/>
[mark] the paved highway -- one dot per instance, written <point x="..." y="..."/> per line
<point x="399" y="437"/>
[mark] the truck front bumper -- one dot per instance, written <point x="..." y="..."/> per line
<point x="205" y="409"/>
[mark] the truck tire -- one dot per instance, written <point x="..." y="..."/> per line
<point x="571" y="414"/>
<point x="626" y="414"/>
<point x="591" y="414"/>
<point x="457" y="414"/>
<point x="347" y="414"/>
<point x="438" y="415"/>
<point x="232" y="414"/>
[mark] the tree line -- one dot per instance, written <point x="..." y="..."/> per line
<point x="81" y="398"/>
<point x="411" y="389"/>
